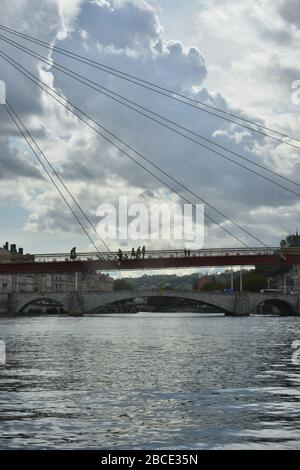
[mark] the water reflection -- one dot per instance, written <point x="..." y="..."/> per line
<point x="149" y="381"/>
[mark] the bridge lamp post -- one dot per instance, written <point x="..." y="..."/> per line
<point x="284" y="284"/>
<point x="261" y="308"/>
<point x="76" y="281"/>
<point x="241" y="279"/>
<point x="15" y="282"/>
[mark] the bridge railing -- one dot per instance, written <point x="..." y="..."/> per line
<point x="157" y="254"/>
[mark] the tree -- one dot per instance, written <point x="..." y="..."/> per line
<point x="270" y="271"/>
<point x="254" y="281"/>
<point x="291" y="241"/>
<point x="211" y="286"/>
<point x="122" y="284"/>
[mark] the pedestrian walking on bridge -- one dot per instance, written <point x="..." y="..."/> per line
<point x="73" y="254"/>
<point x="120" y="255"/>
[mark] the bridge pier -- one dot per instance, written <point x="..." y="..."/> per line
<point x="242" y="305"/>
<point x="297" y="307"/>
<point x="12" y="303"/>
<point x="75" y="304"/>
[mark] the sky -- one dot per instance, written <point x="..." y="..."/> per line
<point x="242" y="57"/>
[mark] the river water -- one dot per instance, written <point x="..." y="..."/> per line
<point x="149" y="381"/>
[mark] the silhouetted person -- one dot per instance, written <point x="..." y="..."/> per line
<point x="138" y="253"/>
<point x="120" y="254"/>
<point x="73" y="254"/>
<point x="132" y="253"/>
<point x="143" y="251"/>
<point x="185" y="252"/>
<point x="189" y="253"/>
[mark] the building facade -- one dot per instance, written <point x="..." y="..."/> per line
<point x="16" y="282"/>
<point x="202" y="281"/>
<point x="58" y="282"/>
<point x="295" y="277"/>
<point x="42" y="282"/>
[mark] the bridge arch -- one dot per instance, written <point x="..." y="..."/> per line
<point x="222" y="302"/>
<point x="275" y="306"/>
<point x="180" y="298"/>
<point x="230" y="303"/>
<point x="40" y="300"/>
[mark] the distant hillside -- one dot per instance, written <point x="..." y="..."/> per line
<point x="158" y="281"/>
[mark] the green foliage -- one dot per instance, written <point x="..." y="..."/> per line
<point x="254" y="281"/>
<point x="291" y="241"/>
<point x="270" y="271"/>
<point x="122" y="284"/>
<point x="211" y="286"/>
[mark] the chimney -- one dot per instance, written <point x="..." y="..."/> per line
<point x="13" y="248"/>
<point x="20" y="251"/>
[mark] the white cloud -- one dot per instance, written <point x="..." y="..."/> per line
<point x="250" y="61"/>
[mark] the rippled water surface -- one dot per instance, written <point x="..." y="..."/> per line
<point x="149" y="381"/>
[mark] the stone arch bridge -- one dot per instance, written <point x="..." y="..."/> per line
<point x="79" y="303"/>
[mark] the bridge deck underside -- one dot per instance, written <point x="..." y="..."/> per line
<point x="155" y="263"/>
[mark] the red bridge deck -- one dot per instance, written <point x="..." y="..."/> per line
<point x="59" y="262"/>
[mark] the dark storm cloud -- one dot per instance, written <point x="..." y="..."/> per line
<point x="41" y="20"/>
<point x="218" y="181"/>
<point x="14" y="165"/>
<point x="32" y="17"/>
<point x="290" y="11"/>
<point x="128" y="35"/>
<point x="135" y="24"/>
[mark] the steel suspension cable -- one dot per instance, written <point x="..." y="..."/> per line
<point x="108" y="92"/>
<point x="15" y="118"/>
<point x="36" y="82"/>
<point x="184" y="99"/>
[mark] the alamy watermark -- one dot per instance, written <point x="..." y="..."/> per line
<point x="296" y="354"/>
<point x="296" y="93"/>
<point x="2" y="92"/>
<point x="152" y="223"/>
<point x="2" y="353"/>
